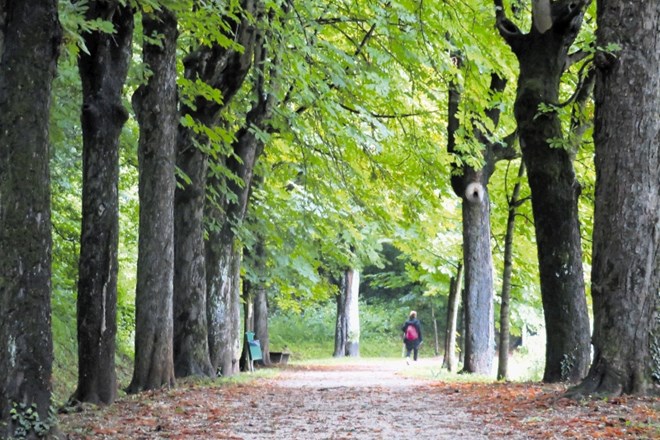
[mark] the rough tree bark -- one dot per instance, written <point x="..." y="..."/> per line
<point x="103" y="73"/>
<point x="224" y="69"/>
<point x="261" y="320"/>
<point x="30" y="37"/>
<point x="229" y="210"/>
<point x="472" y="186"/>
<point x="543" y="57"/>
<point x="503" y="354"/>
<point x="626" y="258"/>
<point x="155" y="106"/>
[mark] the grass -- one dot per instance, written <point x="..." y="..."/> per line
<point x="309" y="338"/>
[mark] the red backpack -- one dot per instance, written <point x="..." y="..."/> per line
<point x="411" y="333"/>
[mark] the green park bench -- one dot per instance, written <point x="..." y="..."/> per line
<point x="254" y="349"/>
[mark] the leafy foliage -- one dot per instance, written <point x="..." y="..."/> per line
<point x="355" y="165"/>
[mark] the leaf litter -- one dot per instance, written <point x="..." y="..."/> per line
<point x="364" y="400"/>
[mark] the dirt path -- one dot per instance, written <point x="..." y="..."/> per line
<point x="358" y="401"/>
<point x="364" y="400"/>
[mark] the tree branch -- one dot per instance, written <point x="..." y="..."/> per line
<point x="506" y="150"/>
<point x="586" y="66"/>
<point x="358" y="51"/>
<point x="575" y="57"/>
<point x="507" y="29"/>
<point x="383" y="115"/>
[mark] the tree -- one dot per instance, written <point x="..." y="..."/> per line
<point x="254" y="284"/>
<point x="626" y="260"/>
<point x="231" y="182"/>
<point x="103" y="68"/>
<point x="470" y="183"/>
<point x="505" y="303"/>
<point x="543" y="57"/>
<point x="218" y="66"/>
<point x="155" y="105"/>
<point x="453" y="300"/>
<point x="347" y="328"/>
<point x="30" y="37"/>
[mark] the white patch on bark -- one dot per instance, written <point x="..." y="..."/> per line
<point x="474" y="193"/>
<point x="542" y="15"/>
<point x="104" y="298"/>
<point x="12" y="351"/>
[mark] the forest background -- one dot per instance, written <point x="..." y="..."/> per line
<point x="321" y="149"/>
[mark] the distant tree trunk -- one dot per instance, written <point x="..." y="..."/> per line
<point x="352" y="313"/>
<point x="248" y="324"/>
<point x="436" y="341"/>
<point x="347" y="324"/>
<point x="260" y="297"/>
<point x="503" y="364"/>
<point x="261" y="321"/>
<point x="224" y="69"/>
<point x="543" y="55"/>
<point x="341" y="321"/>
<point x="449" y="360"/>
<point x="103" y="72"/>
<point x="29" y="42"/>
<point x="155" y="106"/>
<point x="461" y="326"/>
<point x="626" y="256"/>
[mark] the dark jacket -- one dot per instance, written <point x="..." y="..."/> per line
<point x="417" y="325"/>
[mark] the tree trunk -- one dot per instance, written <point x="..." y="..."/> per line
<point x="479" y="316"/>
<point x="219" y="290"/>
<point x="436" y="339"/>
<point x="29" y="41"/>
<point x="228" y="213"/>
<point x="260" y="295"/>
<point x="472" y="186"/>
<point x="626" y="258"/>
<point x="347" y="323"/>
<point x="103" y="72"/>
<point x="224" y="69"/>
<point x="155" y="106"/>
<point x="503" y="359"/>
<point x="191" y="347"/>
<point x="352" y="313"/>
<point x="341" y="320"/>
<point x="223" y="288"/>
<point x="449" y="360"/>
<point x="248" y="324"/>
<point x="542" y="57"/>
<point x="261" y="321"/>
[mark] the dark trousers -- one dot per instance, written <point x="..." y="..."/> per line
<point x="412" y="346"/>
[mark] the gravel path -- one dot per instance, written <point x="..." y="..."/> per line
<point x="362" y="400"/>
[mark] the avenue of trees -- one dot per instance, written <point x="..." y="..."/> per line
<point x="174" y="166"/>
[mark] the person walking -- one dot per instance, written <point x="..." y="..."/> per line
<point x="412" y="335"/>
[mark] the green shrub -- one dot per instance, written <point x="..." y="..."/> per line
<point x="310" y="334"/>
